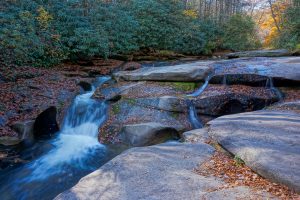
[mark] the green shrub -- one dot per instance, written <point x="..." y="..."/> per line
<point x="240" y="34"/>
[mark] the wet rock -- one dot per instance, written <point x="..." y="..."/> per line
<point x="160" y="172"/>
<point x="267" y="141"/>
<point x="9" y="141"/>
<point x="260" y="53"/>
<point x="25" y="131"/>
<point x="186" y="72"/>
<point x="45" y="124"/>
<point x="147" y="134"/>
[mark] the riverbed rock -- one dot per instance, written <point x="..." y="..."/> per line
<point x="146" y="134"/>
<point x="25" y="130"/>
<point x="161" y="172"/>
<point x="260" y="53"/>
<point x="281" y="71"/>
<point x="196" y="136"/>
<point x="130" y="111"/>
<point x="196" y="71"/>
<point x="267" y="141"/>
<point x="224" y="100"/>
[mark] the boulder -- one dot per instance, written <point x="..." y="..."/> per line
<point x="161" y="172"/>
<point x="267" y="141"/>
<point x="25" y="131"/>
<point x="147" y="134"/>
<point x="130" y="111"/>
<point x="197" y="71"/>
<point x="260" y="53"/>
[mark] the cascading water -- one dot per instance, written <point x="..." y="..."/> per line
<point x="74" y="153"/>
<point x="202" y="88"/>
<point x="193" y="117"/>
<point x="270" y="84"/>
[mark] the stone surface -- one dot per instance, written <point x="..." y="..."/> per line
<point x="284" y="71"/>
<point x="25" y="131"/>
<point x="147" y="134"/>
<point x="130" y="111"/>
<point x="260" y="53"/>
<point x="161" y="172"/>
<point x="268" y="142"/>
<point x="196" y="71"/>
<point x="196" y="136"/>
<point x="222" y="100"/>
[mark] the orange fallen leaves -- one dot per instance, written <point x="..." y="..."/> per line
<point x="225" y="167"/>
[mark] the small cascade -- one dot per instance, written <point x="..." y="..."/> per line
<point x="270" y="84"/>
<point x="77" y="138"/>
<point x="193" y="117"/>
<point x="202" y="88"/>
<point x="224" y="81"/>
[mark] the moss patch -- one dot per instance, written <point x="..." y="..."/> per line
<point x="184" y="86"/>
<point x="116" y="109"/>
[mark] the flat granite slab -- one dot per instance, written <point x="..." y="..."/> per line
<point x="268" y="141"/>
<point x="161" y="172"/>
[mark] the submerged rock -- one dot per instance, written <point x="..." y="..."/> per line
<point x="268" y="142"/>
<point x="161" y="172"/>
<point x="186" y="72"/>
<point x="147" y="134"/>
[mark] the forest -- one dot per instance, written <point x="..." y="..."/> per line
<point x="45" y="33"/>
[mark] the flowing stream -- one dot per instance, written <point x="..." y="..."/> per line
<point x="193" y="117"/>
<point x="199" y="91"/>
<point x="74" y="153"/>
<point x="270" y="84"/>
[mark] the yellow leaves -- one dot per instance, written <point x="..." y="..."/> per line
<point x="191" y="13"/>
<point x="43" y="17"/>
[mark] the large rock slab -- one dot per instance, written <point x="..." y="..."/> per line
<point x="196" y="71"/>
<point x="147" y="134"/>
<point x="283" y="71"/>
<point x="161" y="172"/>
<point x="260" y="53"/>
<point x="268" y="142"/>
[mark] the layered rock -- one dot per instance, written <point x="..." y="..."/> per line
<point x="196" y="71"/>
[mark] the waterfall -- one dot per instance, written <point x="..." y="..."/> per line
<point x="194" y="119"/>
<point x="270" y="84"/>
<point x="77" y="138"/>
<point x="202" y="88"/>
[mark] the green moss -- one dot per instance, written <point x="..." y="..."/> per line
<point x="184" y="86"/>
<point x="238" y="161"/>
<point x="175" y="115"/>
<point x="116" y="109"/>
<point x="130" y="101"/>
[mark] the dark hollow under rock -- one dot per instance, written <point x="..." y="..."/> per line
<point x="45" y="124"/>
